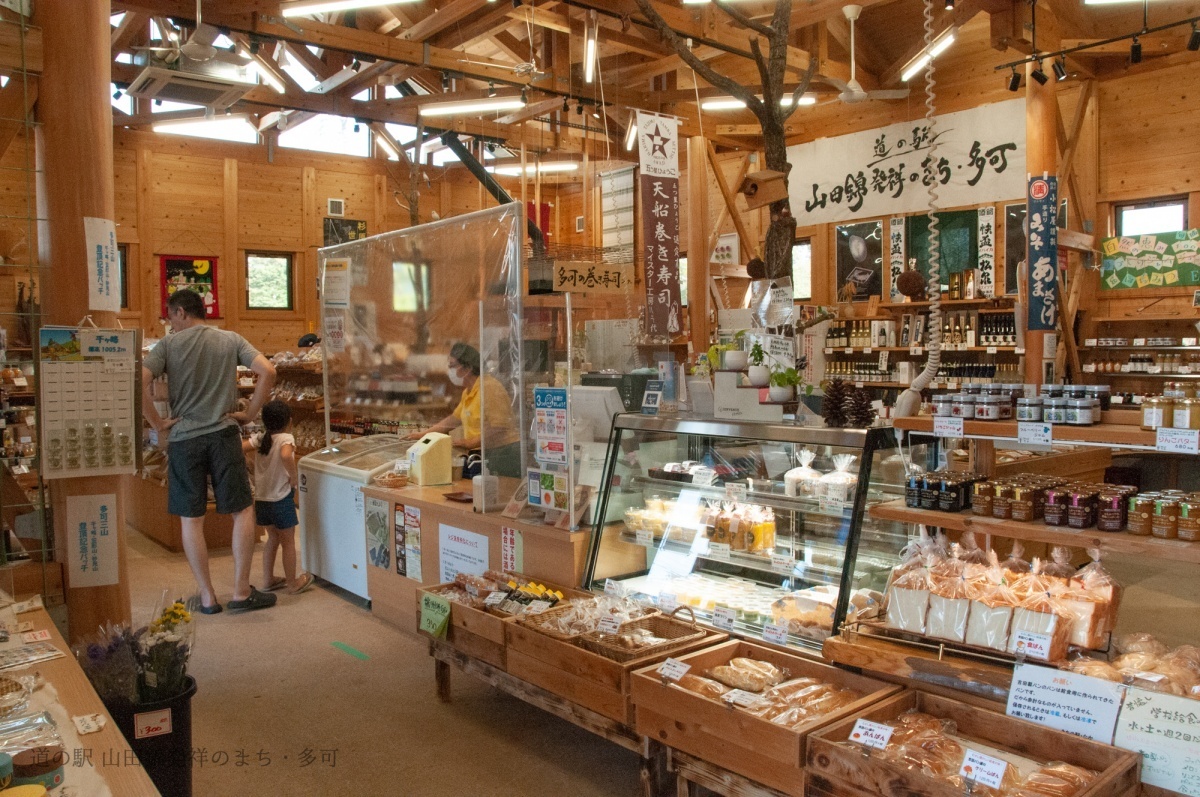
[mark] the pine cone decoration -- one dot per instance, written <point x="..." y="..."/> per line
<point x="833" y="408"/>
<point x="860" y="413"/>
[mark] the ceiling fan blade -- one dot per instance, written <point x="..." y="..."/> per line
<point x="888" y="94"/>
<point x="198" y="51"/>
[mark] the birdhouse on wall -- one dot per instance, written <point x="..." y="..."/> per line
<point x="763" y="188"/>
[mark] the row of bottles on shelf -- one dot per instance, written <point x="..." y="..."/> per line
<point x="971" y="373"/>
<point x="969" y="330"/>
<point x="363" y="425"/>
<point x="1148" y="364"/>
<point x="861" y="334"/>
<point x="859" y="371"/>
<point x="963" y="329"/>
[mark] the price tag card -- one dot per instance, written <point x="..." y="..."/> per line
<point x="473" y="590"/>
<point x="719" y="550"/>
<point x="645" y="537"/>
<point x="27" y="606"/>
<point x="1035" y="433"/>
<point x="858" y="385"/>
<point x="667" y="602"/>
<point x="775" y="633"/>
<point x="89" y="723"/>
<point x="1139" y="341"/>
<point x="1089" y="341"/>
<point x="723" y="618"/>
<point x="36" y="636"/>
<point x="916" y="350"/>
<point x="869" y="350"/>
<point x="736" y="492"/>
<point x="435" y="615"/>
<point x="609" y="625"/>
<point x="20" y="381"/>
<point x="782" y="562"/>
<point x="1033" y="645"/>
<point x="875" y="735"/>
<point x="652" y="398"/>
<point x="946" y="426"/>
<point x="1178" y="441"/>
<point x="992" y="350"/>
<point x="673" y="670"/>
<point x="952" y="385"/>
<point x="537" y="607"/>
<point x="983" y="769"/>
<point x="1188" y="341"/>
<point x="740" y="697"/>
<point x="1089" y="368"/>
<point x="849" y="350"/>
<point x="829" y="351"/>
<point x="613" y="588"/>
<point x="495" y="598"/>
<point x="831" y="506"/>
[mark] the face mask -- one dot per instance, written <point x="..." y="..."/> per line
<point x="456" y="378"/>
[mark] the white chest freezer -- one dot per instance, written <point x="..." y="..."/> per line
<point x="332" y="523"/>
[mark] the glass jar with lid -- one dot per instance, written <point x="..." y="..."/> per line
<point x="1054" y="410"/>
<point x="1157" y="411"/>
<point x="1080" y="412"/>
<point x="987" y="408"/>
<point x="1186" y="414"/>
<point x="963" y="405"/>
<point x="1029" y="409"/>
<point x="942" y="404"/>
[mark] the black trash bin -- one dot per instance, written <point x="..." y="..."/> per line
<point x="164" y="748"/>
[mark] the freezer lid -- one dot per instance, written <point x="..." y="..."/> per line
<point x="384" y="455"/>
<point x="347" y="449"/>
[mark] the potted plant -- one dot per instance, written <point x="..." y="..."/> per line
<point x="729" y="356"/>
<point x="783" y="384"/>
<point x="758" y="373"/>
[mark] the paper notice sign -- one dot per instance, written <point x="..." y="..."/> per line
<point x="1066" y="701"/>
<point x="775" y="633"/>
<point x="668" y="602"/>
<point x="1178" y="441"/>
<point x="1164" y="729"/>
<point x="609" y="625"/>
<point x="435" y="615"/>
<point x="1035" y="433"/>
<point x="36" y="636"/>
<point x="742" y="698"/>
<point x="89" y="723"/>
<point x="719" y="550"/>
<point x="875" y="735"/>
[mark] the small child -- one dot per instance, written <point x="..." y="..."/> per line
<point x="275" y="482"/>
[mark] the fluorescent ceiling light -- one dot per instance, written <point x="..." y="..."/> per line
<point x="467" y="107"/>
<point x="236" y="127"/>
<point x="536" y="168"/>
<point x="309" y="7"/>
<point x="730" y="104"/>
<point x="590" y="32"/>
<point x="937" y="48"/>
<point x="631" y="132"/>
<point x="387" y="147"/>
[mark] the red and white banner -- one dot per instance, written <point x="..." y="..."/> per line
<point x="658" y="145"/>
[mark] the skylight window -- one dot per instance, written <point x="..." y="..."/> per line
<point x="362" y="96"/>
<point x="305" y="79"/>
<point x="327" y="133"/>
<point x="235" y="128"/>
<point x="166" y="106"/>
<point x="124" y="103"/>
<point x="115" y="19"/>
<point x="402" y="133"/>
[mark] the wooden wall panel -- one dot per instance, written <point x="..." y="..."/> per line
<point x="270" y="209"/>
<point x="17" y="201"/>
<point x="125" y="194"/>
<point x="187" y="198"/>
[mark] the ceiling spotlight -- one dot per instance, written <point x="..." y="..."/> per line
<point x="525" y="96"/>
<point x="1038" y="75"/>
<point x="1060" y="69"/>
<point x="357" y="127"/>
<point x="1135" y="51"/>
<point x="255" y="45"/>
<point x="117" y="94"/>
<point x="158" y="103"/>
<point x="491" y="88"/>
<point x="491" y="147"/>
<point x="566" y="105"/>
<point x="579" y="108"/>
<point x="595" y="113"/>
<point x="445" y="81"/>
<point x="949" y="5"/>
<point x="1194" y="40"/>
<point x="356" y="64"/>
<point x="1014" y="82"/>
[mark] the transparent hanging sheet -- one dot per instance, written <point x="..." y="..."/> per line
<point x="397" y="306"/>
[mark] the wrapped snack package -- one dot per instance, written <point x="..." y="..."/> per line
<point x="1014" y="563"/>
<point x="908" y="601"/>
<point x="1096" y="669"/>
<point x="992" y="607"/>
<point x="912" y="724"/>
<point x="808" y="613"/>
<point x="706" y="687"/>
<point x="1060" y="563"/>
<point x="839" y="484"/>
<point x="749" y="675"/>
<point x="949" y="609"/>
<point x="1140" y="642"/>
<point x="802" y="480"/>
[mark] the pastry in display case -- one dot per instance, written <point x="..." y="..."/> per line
<point x="767" y="527"/>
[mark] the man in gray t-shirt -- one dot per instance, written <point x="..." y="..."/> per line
<point x="205" y="443"/>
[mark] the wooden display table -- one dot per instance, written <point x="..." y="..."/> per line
<point x="77" y="696"/>
<point x="545" y="553"/>
<point x="145" y="503"/>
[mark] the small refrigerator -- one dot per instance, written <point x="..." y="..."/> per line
<point x="332" y="523"/>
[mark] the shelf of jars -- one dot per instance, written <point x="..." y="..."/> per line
<point x="1124" y="434"/>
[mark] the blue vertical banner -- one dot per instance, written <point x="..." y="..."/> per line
<point x="1042" y="253"/>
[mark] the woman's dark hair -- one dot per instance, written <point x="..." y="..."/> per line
<point x="275" y="417"/>
<point x="188" y="301"/>
<point x="467" y="355"/>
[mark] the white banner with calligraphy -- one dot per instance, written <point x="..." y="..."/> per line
<point x="895" y="256"/>
<point x="880" y="172"/>
<point x="987" y="252"/>
<point x="658" y="147"/>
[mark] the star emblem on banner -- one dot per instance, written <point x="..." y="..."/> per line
<point x="658" y="142"/>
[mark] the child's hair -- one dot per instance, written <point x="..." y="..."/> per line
<point x="275" y="417"/>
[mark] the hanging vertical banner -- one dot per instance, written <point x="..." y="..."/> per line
<point x="895" y="256"/>
<point x="1042" y="203"/>
<point x="987" y="252"/>
<point x="104" y="278"/>
<point x="658" y="145"/>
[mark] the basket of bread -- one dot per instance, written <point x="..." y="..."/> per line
<point x="646" y="636"/>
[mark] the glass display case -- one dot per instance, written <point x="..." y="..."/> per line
<point x="760" y="528"/>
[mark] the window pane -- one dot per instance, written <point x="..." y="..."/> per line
<point x="683" y="297"/>
<point x="327" y="133"/>
<point x="802" y="270"/>
<point x="269" y="282"/>
<point x="1152" y="219"/>
<point x="410" y="287"/>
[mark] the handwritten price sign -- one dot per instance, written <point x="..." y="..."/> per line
<point x="152" y="723"/>
<point x="875" y="735"/>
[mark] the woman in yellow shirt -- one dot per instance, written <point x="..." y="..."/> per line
<point x="503" y="454"/>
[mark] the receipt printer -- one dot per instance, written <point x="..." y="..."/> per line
<point x="429" y="460"/>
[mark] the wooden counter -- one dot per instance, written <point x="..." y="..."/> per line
<point x="77" y="696"/>
<point x="546" y="552"/>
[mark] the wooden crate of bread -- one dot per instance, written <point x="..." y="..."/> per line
<point x="749" y="745"/>
<point x="838" y="768"/>
<point x="479" y="632"/>
<point x="581" y="676"/>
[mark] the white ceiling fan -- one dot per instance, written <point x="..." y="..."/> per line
<point x="852" y="90"/>
<point x="199" y="46"/>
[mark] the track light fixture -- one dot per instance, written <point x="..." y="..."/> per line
<point x="491" y="88"/>
<point x="566" y="105"/>
<point x="1038" y="75"/>
<point x="579" y="108"/>
<point x="1060" y="69"/>
<point x="525" y="96"/>
<point x="1135" y="51"/>
<point x="356" y="65"/>
<point x="445" y="81"/>
<point x="1194" y="40"/>
<point x="117" y="94"/>
<point x="357" y="127"/>
<point x="949" y="5"/>
<point x="1014" y="82"/>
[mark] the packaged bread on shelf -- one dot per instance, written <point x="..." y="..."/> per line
<point x="1096" y="669"/>
<point x="1015" y="564"/>
<point x="749" y="675"/>
<point x="992" y="607"/>
<point x="908" y="600"/>
<point x="949" y="604"/>
<point x="1091" y="600"/>
<point x="1059" y="565"/>
<point x="1041" y="614"/>
<point x="802" y="480"/>
<point x="838" y="485"/>
<point x="706" y="687"/>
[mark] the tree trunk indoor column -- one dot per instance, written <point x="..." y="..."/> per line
<point x="75" y="153"/>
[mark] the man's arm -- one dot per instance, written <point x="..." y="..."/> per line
<point x="265" y="371"/>
<point x="149" y="411"/>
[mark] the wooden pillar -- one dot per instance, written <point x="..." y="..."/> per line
<point x="1041" y="156"/>
<point x="698" y="251"/>
<point x="75" y="150"/>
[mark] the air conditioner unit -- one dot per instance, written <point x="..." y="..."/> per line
<point x="336" y="207"/>
<point x="215" y="84"/>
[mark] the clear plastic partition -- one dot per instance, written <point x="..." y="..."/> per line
<point x="399" y="307"/>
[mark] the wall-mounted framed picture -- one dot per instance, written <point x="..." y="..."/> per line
<point x="860" y="259"/>
<point x="190" y="273"/>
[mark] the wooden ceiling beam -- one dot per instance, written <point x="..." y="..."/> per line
<point x="611" y="36"/>
<point x="133" y="26"/>
<point x="442" y="18"/>
<point x="963" y="13"/>
<point x="476" y="30"/>
<point x="320" y="69"/>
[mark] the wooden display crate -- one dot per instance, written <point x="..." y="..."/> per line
<point x="836" y="769"/>
<point x="733" y="739"/>
<point x="479" y="633"/>
<point x="583" y="677"/>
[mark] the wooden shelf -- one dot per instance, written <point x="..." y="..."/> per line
<point x="1103" y="434"/>
<point x="1117" y="542"/>
<point x="1136" y="348"/>
<point x="908" y="349"/>
<point x="1132" y="375"/>
<point x="1142" y="317"/>
<point x="951" y="303"/>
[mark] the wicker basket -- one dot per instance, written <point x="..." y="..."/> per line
<point x="541" y="622"/>
<point x="675" y="633"/>
<point x="391" y="480"/>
